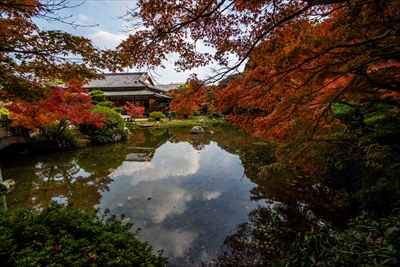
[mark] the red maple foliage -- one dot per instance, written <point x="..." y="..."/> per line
<point x="190" y="98"/>
<point x="134" y="111"/>
<point x="295" y="79"/>
<point x="303" y="56"/>
<point x="61" y="109"/>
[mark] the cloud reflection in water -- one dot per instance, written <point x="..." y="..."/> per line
<point x="197" y="198"/>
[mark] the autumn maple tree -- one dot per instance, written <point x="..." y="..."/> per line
<point x="303" y="55"/>
<point x="322" y="79"/>
<point x="134" y="111"/>
<point x="189" y="98"/>
<point x="228" y="27"/>
<point x="52" y="115"/>
<point x="30" y="56"/>
<point x="349" y="58"/>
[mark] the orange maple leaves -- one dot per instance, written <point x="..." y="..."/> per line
<point x="189" y="98"/>
<point x="305" y="67"/>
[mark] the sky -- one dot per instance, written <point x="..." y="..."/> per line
<point x="110" y="31"/>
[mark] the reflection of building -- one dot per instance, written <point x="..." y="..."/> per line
<point x="137" y="88"/>
<point x="141" y="154"/>
<point x="145" y="149"/>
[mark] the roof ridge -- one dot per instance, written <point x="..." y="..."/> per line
<point x="123" y="73"/>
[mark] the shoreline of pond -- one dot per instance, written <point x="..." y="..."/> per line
<point x="39" y="145"/>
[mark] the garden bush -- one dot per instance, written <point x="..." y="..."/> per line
<point x="67" y="139"/>
<point x="99" y="98"/>
<point x="118" y="109"/>
<point x="64" y="236"/>
<point x="156" y="116"/>
<point x="215" y="115"/>
<point x="114" y="126"/>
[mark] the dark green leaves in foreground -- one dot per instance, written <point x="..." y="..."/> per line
<point x="64" y="236"/>
<point x="368" y="242"/>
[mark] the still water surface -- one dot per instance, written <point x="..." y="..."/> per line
<point x="187" y="193"/>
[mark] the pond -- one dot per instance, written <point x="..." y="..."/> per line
<point x="187" y="193"/>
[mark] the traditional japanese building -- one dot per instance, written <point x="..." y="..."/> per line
<point x="137" y="88"/>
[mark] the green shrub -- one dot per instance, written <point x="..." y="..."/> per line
<point x="156" y="116"/>
<point x="68" y="138"/>
<point x="64" y="236"/>
<point x="112" y="129"/>
<point x="215" y="115"/>
<point x="99" y="98"/>
<point x="118" y="109"/>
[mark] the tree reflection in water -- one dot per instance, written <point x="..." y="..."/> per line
<point x="271" y="229"/>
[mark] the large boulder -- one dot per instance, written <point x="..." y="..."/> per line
<point x="116" y="137"/>
<point x="197" y="130"/>
<point x="7" y="184"/>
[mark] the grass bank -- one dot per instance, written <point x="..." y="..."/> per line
<point x="174" y="122"/>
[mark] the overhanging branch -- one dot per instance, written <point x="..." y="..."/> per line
<point x="323" y="2"/>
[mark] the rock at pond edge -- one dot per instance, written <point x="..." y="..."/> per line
<point x="197" y="130"/>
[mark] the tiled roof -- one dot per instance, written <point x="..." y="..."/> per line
<point x="121" y="81"/>
<point x="169" y="87"/>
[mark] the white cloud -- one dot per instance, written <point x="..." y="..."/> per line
<point x="173" y="242"/>
<point x="183" y="160"/>
<point x="166" y="201"/>
<point x="104" y="39"/>
<point x="212" y="195"/>
<point x="84" y="17"/>
<point x="109" y="34"/>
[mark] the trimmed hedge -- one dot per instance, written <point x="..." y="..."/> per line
<point x="156" y="116"/>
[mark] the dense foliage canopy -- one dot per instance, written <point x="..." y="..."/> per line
<point x="30" y="56"/>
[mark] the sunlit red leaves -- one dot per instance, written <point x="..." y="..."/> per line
<point x="133" y="111"/>
<point x="61" y="107"/>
